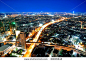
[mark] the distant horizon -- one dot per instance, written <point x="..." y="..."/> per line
<point x="42" y="12"/>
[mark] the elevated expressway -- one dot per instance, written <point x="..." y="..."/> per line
<point x="29" y="50"/>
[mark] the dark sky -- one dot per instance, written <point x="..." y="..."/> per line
<point x="42" y="5"/>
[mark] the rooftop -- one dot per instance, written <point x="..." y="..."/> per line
<point x="4" y="47"/>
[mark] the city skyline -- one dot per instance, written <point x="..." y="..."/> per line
<point x="43" y="28"/>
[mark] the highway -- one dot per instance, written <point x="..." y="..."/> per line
<point x="68" y="48"/>
<point x="32" y="33"/>
<point x="29" y="50"/>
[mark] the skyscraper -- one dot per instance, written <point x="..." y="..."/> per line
<point x="21" y="40"/>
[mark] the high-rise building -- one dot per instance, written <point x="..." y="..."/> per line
<point x="22" y="40"/>
<point x="5" y="16"/>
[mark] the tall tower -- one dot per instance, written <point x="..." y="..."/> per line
<point x="5" y="16"/>
<point x="22" y="40"/>
<point x="73" y="14"/>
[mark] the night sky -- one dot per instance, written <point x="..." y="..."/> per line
<point x="42" y="5"/>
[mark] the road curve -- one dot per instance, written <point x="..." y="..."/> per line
<point x="29" y="50"/>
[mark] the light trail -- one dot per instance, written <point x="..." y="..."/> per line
<point x="29" y="50"/>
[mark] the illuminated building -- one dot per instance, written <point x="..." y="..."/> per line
<point x="5" y="49"/>
<point x="22" y="40"/>
<point x="5" y="16"/>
